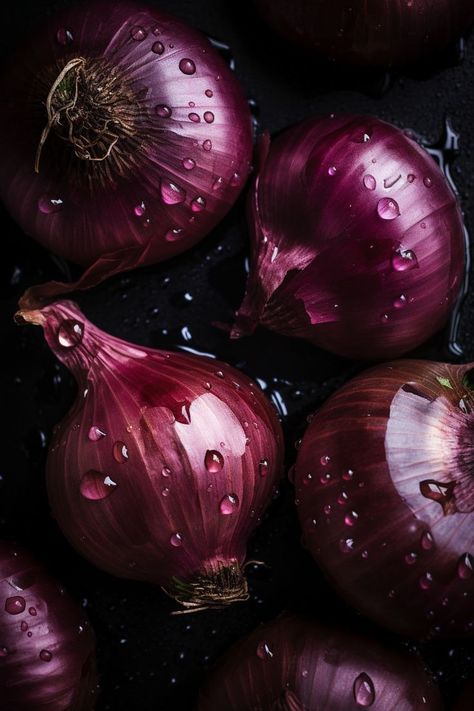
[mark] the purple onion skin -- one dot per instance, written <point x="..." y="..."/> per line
<point x="120" y="213"/>
<point x="373" y="263"/>
<point x="294" y="664"/>
<point x="47" y="647"/>
<point x="370" y="34"/>
<point x="385" y="490"/>
<point x="165" y="463"/>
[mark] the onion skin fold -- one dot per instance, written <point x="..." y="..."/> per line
<point x="182" y="154"/>
<point x="385" y="490"/>
<point x="370" y="34"/>
<point x="295" y="664"/>
<point x="47" y="647"/>
<point x="163" y="466"/>
<point x="374" y="262"/>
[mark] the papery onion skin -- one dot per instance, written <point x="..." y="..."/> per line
<point x="385" y="490"/>
<point x="47" y="647"/>
<point x="370" y="34"/>
<point x="295" y="664"/>
<point x="183" y="154"/>
<point x="357" y="240"/>
<point x="164" y="464"/>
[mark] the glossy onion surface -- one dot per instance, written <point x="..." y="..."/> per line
<point x="357" y="239"/>
<point x="294" y="664"/>
<point x="385" y="486"/>
<point x="47" y="647"/>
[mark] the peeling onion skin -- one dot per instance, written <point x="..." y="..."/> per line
<point x="385" y="489"/>
<point x="374" y="262"/>
<point x="47" y="647"/>
<point x="370" y="34"/>
<point x="163" y="188"/>
<point x="165" y="463"/>
<point x="295" y="664"/>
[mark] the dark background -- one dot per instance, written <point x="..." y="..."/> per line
<point x="147" y="659"/>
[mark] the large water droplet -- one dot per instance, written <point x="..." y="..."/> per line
<point x="158" y="47"/>
<point x="15" y="605"/>
<point x="70" y="333"/>
<point x="332" y="170"/>
<point x="466" y="566"/>
<point x="264" y="651"/>
<point x="45" y="655"/>
<point x="95" y="433"/>
<point x="172" y="194"/>
<point x="189" y="163"/>
<point x="120" y="452"/>
<point x="138" y="33"/>
<point x="48" y="205"/>
<point x="213" y="461"/>
<point x="404" y="259"/>
<point x="363" y="690"/>
<point x="198" y="204"/>
<point x="95" y="486"/>
<point x="229" y="504"/>
<point x="388" y="209"/>
<point x="163" y="111"/>
<point x="208" y="116"/>
<point x="140" y="209"/>
<point x="187" y="66"/>
<point x="64" y="36"/>
<point x="369" y="182"/>
<point x="176" y="540"/>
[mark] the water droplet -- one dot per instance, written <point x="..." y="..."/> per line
<point x="425" y="581"/>
<point x="411" y="558"/>
<point x="220" y="374"/>
<point x="120" y="452"/>
<point x="348" y="475"/>
<point x="307" y="479"/>
<point x="404" y="259"/>
<point x="263" y="467"/>
<point x="64" y="36"/>
<point x="350" y="518"/>
<point x="209" y="93"/>
<point x="427" y="182"/>
<point x="48" y="205"/>
<point x="176" y="540"/>
<point x="95" y="486"/>
<point x="163" y="111"/>
<point x="218" y="183"/>
<point x="138" y="33"/>
<point x="24" y="626"/>
<point x="346" y="545"/>
<point x="264" y="651"/>
<point x="3" y="651"/>
<point x="208" y="116"/>
<point x="400" y="301"/>
<point x="165" y="491"/>
<point x="45" y="655"/>
<point x="332" y="170"/>
<point x="95" y="433"/>
<point x="15" y="605"/>
<point x="229" y="504"/>
<point x="441" y="492"/>
<point x="166" y="472"/>
<point x="325" y="478"/>
<point x="388" y="209"/>
<point x="32" y="611"/>
<point x="410" y="177"/>
<point x="158" y="47"/>
<point x="189" y="163"/>
<point x="363" y="690"/>
<point x="174" y="234"/>
<point x="213" y="461"/>
<point x="369" y="182"/>
<point x="325" y="460"/>
<point x="466" y="566"/>
<point x="198" y="204"/>
<point x="327" y="509"/>
<point x="172" y="194"/>
<point x="187" y="66"/>
<point x="384" y="318"/>
<point x="194" y="117"/>
<point x="140" y="209"/>
<point x="342" y="498"/>
<point x="70" y="333"/>
<point x="207" y="145"/>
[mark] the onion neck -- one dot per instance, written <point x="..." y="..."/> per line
<point x="223" y="585"/>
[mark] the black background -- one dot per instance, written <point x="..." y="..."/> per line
<point x="147" y="659"/>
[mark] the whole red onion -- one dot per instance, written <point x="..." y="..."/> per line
<point x="357" y="239"/>
<point x="369" y="33"/>
<point x="385" y="491"/>
<point x="164" y="464"/>
<point x="47" y="647"/>
<point x="294" y="664"/>
<point x="146" y="138"/>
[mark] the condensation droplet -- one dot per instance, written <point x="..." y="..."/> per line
<point x="425" y="581"/>
<point x="235" y="181"/>
<point x="163" y="111"/>
<point x="70" y="333"/>
<point x="3" y="651"/>
<point x="342" y="498"/>
<point x="194" y="117"/>
<point x="350" y="518"/>
<point x="64" y="36"/>
<point x="400" y="301"/>
<point x="158" y="47"/>
<point x="172" y="194"/>
<point x="95" y="433"/>
<point x="426" y="541"/>
<point x="95" y="486"/>
<point x="410" y="177"/>
<point x="174" y="234"/>
<point x="138" y="33"/>
<point x="348" y="475"/>
<point x="369" y="182"/>
<point x="15" y="605"/>
<point x="218" y="183"/>
<point x="363" y="690"/>
<point x="198" y="204"/>
<point x="427" y="182"/>
<point x="207" y="144"/>
<point x="139" y="209"/>
<point x="176" y="540"/>
<point x="307" y="479"/>
<point x="23" y="626"/>
<point x="264" y="651"/>
<point x="229" y="504"/>
<point x="189" y="163"/>
<point x="384" y="318"/>
<point x="45" y="655"/>
<point x="404" y="259"/>
<point x="346" y="545"/>
<point x="209" y="93"/>
<point x="187" y="66"/>
<point x="411" y="558"/>
<point x="388" y="209"/>
<point x="120" y="452"/>
<point x="32" y="611"/>
<point x="213" y="461"/>
<point x="466" y="566"/>
<point x="165" y="492"/>
<point x="166" y="472"/>
<point x="325" y="460"/>
<point x="263" y="467"/>
<point x="208" y="116"/>
<point x="332" y="170"/>
<point x="48" y="205"/>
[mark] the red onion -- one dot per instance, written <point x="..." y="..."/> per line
<point x="385" y="487"/>
<point x="164" y="464"/>
<point x="294" y="664"/>
<point x="47" y="657"/>
<point x="146" y="138"/>
<point x="357" y="239"/>
<point x="369" y="33"/>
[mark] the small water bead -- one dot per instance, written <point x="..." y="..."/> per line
<point x="140" y="209"/>
<point x="191" y="104"/>
<point x="325" y="460"/>
<point x="427" y="541"/>
<point x="363" y="690"/>
<point x="187" y="66"/>
<point x="342" y="498"/>
<point x="388" y="209"/>
<point x="165" y="492"/>
<point x="45" y="655"/>
<point x="95" y="486"/>
<point x="346" y="545"/>
<point x="208" y="116"/>
<point x="229" y="504"/>
<point x="466" y="566"/>
<point x="400" y="301"/>
<point x="172" y="194"/>
<point x="48" y="205"/>
<point x="176" y="540"/>
<point x="350" y="518"/>
<point x="348" y="475"/>
<point x="207" y="144"/>
<point x="384" y="318"/>
<point x="404" y="259"/>
<point x="411" y="558"/>
<point x="195" y="118"/>
<point x="307" y="479"/>
<point x="198" y="204"/>
<point x="3" y="651"/>
<point x="64" y="36"/>
<point x="218" y="183"/>
<point x="120" y="452"/>
<point x="32" y="611"/>
<point x="332" y="170"/>
<point x="325" y="478"/>
<point x="189" y="163"/>
<point x="213" y="461"/>
<point x="166" y="472"/>
<point x="163" y="111"/>
<point x="138" y="33"/>
<point x="427" y="182"/>
<point x="24" y="626"/>
<point x="15" y="605"/>
<point x="364" y="554"/>
<point x="174" y="234"/>
<point x="327" y="509"/>
<point x="411" y="177"/>
<point x="158" y="47"/>
<point x="263" y="467"/>
<point x="70" y="333"/>
<point x="264" y="651"/>
<point x="220" y="374"/>
<point x="95" y="433"/>
<point x="209" y="93"/>
<point x="369" y="182"/>
<point x="425" y="581"/>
